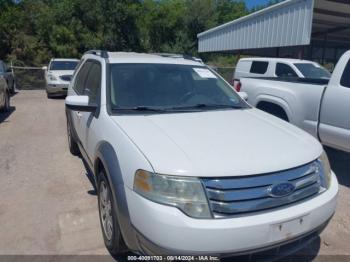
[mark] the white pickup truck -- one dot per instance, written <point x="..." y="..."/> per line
<point x="318" y="106"/>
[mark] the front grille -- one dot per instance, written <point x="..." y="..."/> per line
<point x="238" y="195"/>
<point x="66" y="78"/>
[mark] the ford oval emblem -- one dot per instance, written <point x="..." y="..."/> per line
<point x="281" y="189"/>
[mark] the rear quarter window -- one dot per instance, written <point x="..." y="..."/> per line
<point x="80" y="78"/>
<point x="259" y="67"/>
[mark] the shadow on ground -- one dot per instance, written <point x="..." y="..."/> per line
<point x="340" y="163"/>
<point x="15" y="93"/>
<point x="5" y="115"/>
<point x="91" y="178"/>
<point x="58" y="97"/>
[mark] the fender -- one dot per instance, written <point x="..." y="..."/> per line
<point x="107" y="155"/>
<point x="277" y="101"/>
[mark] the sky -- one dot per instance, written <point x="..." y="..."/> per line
<point x="253" y="3"/>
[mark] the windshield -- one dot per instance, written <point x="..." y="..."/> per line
<point x="169" y="87"/>
<point x="63" y="65"/>
<point x="312" y="71"/>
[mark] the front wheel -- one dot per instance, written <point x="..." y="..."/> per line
<point x="108" y="217"/>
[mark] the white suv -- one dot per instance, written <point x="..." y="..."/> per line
<point x="183" y="165"/>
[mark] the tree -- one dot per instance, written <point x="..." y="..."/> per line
<point x="33" y="31"/>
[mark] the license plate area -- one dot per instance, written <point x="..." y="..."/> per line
<point x="289" y="229"/>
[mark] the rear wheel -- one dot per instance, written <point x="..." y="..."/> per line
<point x="6" y="107"/>
<point x="13" y="88"/>
<point x="73" y="146"/>
<point x="108" y="217"/>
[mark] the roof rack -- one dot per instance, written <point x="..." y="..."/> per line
<point x="184" y="56"/>
<point x="101" y="53"/>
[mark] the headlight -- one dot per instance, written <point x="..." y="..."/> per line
<point x="324" y="170"/>
<point x="185" y="193"/>
<point x="52" y="78"/>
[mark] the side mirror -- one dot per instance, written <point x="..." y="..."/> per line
<point x="44" y="68"/>
<point x="243" y="95"/>
<point x="80" y="103"/>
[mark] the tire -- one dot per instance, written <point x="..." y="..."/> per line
<point x="7" y="105"/>
<point x="72" y="144"/>
<point x="13" y="87"/>
<point x="108" y="218"/>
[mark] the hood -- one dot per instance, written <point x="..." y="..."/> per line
<point x="219" y="143"/>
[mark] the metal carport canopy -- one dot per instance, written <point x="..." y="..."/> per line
<point x="290" y="23"/>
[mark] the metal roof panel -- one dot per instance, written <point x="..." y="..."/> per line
<point x="285" y="24"/>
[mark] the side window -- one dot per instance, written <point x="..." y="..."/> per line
<point x="283" y="70"/>
<point x="259" y="67"/>
<point x="93" y="83"/>
<point x="80" y="79"/>
<point x="345" y="78"/>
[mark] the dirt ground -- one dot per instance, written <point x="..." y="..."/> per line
<point x="48" y="205"/>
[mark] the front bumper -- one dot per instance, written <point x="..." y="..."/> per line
<point x="268" y="253"/>
<point x="166" y="230"/>
<point x="56" y="89"/>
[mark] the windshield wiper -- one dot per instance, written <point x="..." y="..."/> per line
<point x="139" y="108"/>
<point x="177" y="108"/>
<point x="206" y="106"/>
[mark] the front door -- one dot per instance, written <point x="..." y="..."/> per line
<point x="88" y="122"/>
<point x="334" y="129"/>
<point x="78" y="89"/>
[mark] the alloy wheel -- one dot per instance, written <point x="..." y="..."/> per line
<point x="105" y="206"/>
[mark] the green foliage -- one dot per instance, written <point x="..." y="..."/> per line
<point x="33" y="31"/>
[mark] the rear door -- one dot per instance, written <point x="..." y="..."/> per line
<point x="334" y="128"/>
